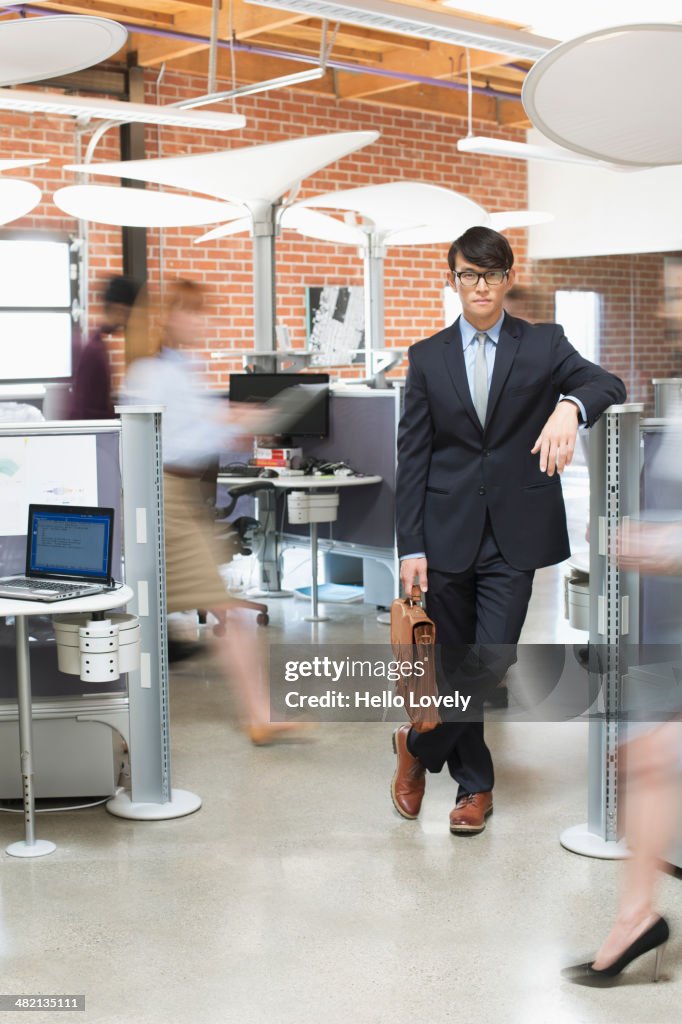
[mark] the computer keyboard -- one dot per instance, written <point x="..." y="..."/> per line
<point x="249" y="471"/>
<point x="58" y="588"/>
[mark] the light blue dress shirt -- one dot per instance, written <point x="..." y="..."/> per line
<point x="192" y="429"/>
<point x="469" y="347"/>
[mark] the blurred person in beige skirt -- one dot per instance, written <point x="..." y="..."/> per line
<point x="195" y="428"/>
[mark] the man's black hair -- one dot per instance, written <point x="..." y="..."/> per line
<point x="484" y="248"/>
<point x="121" y="291"/>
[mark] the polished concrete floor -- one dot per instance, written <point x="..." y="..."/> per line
<point x="297" y="895"/>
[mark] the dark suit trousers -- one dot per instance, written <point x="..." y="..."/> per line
<point x="486" y="604"/>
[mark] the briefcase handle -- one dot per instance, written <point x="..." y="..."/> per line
<point x="416" y="596"/>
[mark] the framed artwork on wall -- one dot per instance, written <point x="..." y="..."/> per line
<point x="335" y="324"/>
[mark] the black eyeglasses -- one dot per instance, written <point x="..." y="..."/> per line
<point x="470" y="278"/>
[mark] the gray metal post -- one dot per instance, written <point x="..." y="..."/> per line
<point x="25" y="725"/>
<point x="614" y="619"/>
<point x="264" y="278"/>
<point x="29" y="846"/>
<point x="315" y="613"/>
<point x="373" y="255"/>
<point x="145" y="567"/>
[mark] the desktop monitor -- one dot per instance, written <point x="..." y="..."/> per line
<point x="259" y="387"/>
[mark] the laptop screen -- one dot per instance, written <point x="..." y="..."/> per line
<point x="70" y="541"/>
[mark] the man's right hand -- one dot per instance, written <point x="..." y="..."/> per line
<point x="413" y="570"/>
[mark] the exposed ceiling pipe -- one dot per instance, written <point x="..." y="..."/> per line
<point x="268" y="51"/>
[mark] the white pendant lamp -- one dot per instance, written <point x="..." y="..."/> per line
<point x="17" y="198"/>
<point x="612" y="95"/>
<point x="140" y="207"/>
<point x="32" y="49"/>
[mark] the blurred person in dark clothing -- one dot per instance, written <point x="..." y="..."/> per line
<point x="91" y="397"/>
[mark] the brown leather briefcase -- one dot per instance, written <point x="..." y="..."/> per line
<point x="413" y="639"/>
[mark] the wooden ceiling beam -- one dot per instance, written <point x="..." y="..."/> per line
<point x="139" y="14"/>
<point x="428" y="99"/>
<point x="440" y="62"/>
<point x="152" y="51"/>
<point x="311" y="47"/>
<point x="252" y="68"/>
<point x="249" y="21"/>
<point x="431" y="99"/>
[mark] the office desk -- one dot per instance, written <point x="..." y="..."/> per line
<point x="311" y="484"/>
<point x="30" y="846"/>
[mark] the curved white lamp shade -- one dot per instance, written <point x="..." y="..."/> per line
<point x="406" y="204"/>
<point x="249" y="175"/>
<point x="507" y="219"/>
<point x="17" y="198"/>
<point x="320" y="225"/>
<point x="32" y="49"/>
<point x="236" y="227"/>
<point x="11" y="165"/>
<point x="140" y="207"/>
<point x="612" y="95"/>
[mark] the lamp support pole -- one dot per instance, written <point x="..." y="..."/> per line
<point x="373" y="254"/>
<point x="264" y="232"/>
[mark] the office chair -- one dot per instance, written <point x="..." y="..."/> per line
<point x="235" y="533"/>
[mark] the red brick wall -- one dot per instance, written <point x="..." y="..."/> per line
<point x="412" y="146"/>
<point x="636" y="341"/>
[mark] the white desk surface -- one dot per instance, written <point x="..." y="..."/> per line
<point x="89" y="603"/>
<point x="300" y="483"/>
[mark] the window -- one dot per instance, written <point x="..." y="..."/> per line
<point x="452" y="307"/>
<point x="38" y="301"/>
<point x="579" y="314"/>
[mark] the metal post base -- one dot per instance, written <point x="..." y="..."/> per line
<point x="578" y="839"/>
<point x="384" y="618"/>
<point x="182" y="802"/>
<point x="268" y="593"/>
<point x="39" y="848"/>
<point x="316" y="618"/>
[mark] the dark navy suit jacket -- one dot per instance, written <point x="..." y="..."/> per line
<point x="452" y="472"/>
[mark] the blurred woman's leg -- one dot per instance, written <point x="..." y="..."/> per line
<point x="652" y="814"/>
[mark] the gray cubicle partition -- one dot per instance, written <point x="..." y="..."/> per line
<point x="66" y="439"/>
<point x="44" y="461"/>
<point x="363" y="433"/>
<point x="77" y="728"/>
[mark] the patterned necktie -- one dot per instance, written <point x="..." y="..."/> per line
<point x="480" y="378"/>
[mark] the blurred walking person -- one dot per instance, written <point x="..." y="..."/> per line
<point x="195" y="428"/>
<point x="91" y="397"/>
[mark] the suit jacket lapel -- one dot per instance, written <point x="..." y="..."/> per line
<point x="507" y="347"/>
<point x="454" y="360"/>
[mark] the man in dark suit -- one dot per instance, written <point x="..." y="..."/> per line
<point x="492" y="409"/>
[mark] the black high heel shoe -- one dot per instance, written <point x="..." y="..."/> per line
<point x="654" y="937"/>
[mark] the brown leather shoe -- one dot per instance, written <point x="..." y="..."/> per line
<point x="469" y="814"/>
<point x="409" y="780"/>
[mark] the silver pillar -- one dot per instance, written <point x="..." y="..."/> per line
<point x="614" y="620"/>
<point x="145" y="568"/>
<point x="264" y="304"/>
<point x="373" y="255"/>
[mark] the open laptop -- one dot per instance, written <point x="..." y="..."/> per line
<point x="68" y="554"/>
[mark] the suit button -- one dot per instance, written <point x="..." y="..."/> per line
<point x="481" y="490"/>
<point x="486" y="452"/>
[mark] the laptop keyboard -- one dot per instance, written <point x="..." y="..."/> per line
<point x="58" y="588"/>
